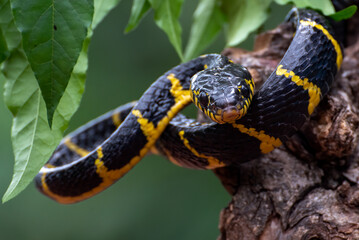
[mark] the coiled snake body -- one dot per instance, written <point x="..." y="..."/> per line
<point x="98" y="154"/>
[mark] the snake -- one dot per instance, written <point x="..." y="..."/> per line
<point x="245" y="122"/>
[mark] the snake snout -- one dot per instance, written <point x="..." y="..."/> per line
<point x="227" y="108"/>
<point x="231" y="114"/>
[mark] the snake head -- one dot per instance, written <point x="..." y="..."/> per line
<point x="223" y="92"/>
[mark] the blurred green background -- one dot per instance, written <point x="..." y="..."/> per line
<point x="155" y="200"/>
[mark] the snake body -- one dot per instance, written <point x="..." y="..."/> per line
<point x="279" y="108"/>
<point x="98" y="154"/>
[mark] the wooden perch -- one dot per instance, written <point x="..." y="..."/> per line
<point x="308" y="188"/>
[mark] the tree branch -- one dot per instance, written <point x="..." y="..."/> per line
<point x="307" y="189"/>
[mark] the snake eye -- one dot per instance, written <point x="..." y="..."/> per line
<point x="203" y="99"/>
<point x="245" y="91"/>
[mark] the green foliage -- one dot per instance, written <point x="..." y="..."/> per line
<point x="166" y="17"/>
<point x="33" y="140"/>
<point x="139" y="8"/>
<point x="31" y="136"/>
<point x="52" y="38"/>
<point x="207" y="23"/>
<point x="345" y="13"/>
<point x="4" y="51"/>
<point x="10" y="34"/>
<point x="240" y="18"/>
<point x="325" y="6"/>
<point x="43" y="57"/>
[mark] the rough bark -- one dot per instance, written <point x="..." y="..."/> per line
<point x="308" y="188"/>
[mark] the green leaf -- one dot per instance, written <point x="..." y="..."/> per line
<point x="345" y="13"/>
<point x="33" y="140"/>
<point x="52" y="37"/>
<point x="102" y="8"/>
<point x="207" y="23"/>
<point x="244" y="17"/>
<point x="4" y="51"/>
<point x="71" y="99"/>
<point x="31" y="136"/>
<point x="166" y="17"/>
<point x="11" y="38"/>
<point x="325" y="6"/>
<point x="139" y="8"/>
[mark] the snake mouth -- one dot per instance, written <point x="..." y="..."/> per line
<point x="231" y="114"/>
<point x="228" y="115"/>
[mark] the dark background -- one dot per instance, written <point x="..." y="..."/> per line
<point x="155" y="200"/>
